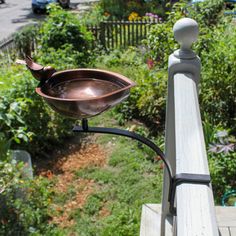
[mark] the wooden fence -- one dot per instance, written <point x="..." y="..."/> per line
<point x="7" y="44"/>
<point x="121" y="34"/>
<point x="108" y="34"/>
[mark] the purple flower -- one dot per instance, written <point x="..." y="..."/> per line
<point x="213" y="148"/>
<point x="151" y="15"/>
<point x="148" y="14"/>
<point x="219" y="148"/>
<point x="226" y="148"/>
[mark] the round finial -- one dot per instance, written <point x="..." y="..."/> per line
<point x="186" y="32"/>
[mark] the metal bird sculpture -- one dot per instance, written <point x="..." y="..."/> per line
<point x="41" y="73"/>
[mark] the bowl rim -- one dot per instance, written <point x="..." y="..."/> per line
<point x="121" y="77"/>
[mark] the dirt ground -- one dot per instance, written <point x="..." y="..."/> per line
<point x="61" y="167"/>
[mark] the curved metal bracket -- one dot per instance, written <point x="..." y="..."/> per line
<point x="86" y="129"/>
<point x="174" y="180"/>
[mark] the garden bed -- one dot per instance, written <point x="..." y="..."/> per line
<point x="101" y="184"/>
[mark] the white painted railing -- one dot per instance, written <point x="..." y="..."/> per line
<point x="185" y="146"/>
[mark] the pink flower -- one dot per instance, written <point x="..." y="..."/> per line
<point x="150" y="63"/>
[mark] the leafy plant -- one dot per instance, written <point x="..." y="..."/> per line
<point x="25" y="40"/>
<point x="207" y="13"/>
<point x="218" y="76"/>
<point x="147" y="99"/>
<point x="25" y="118"/>
<point x="216" y="47"/>
<point x="222" y="161"/>
<point x="24" y="203"/>
<point x="95" y="16"/>
<point x="4" y="147"/>
<point x="121" y="9"/>
<point x="63" y="30"/>
<point x="62" y="58"/>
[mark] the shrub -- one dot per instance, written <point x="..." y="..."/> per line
<point x="222" y="162"/>
<point x="26" y="39"/>
<point x="94" y="16"/>
<point x="63" y="58"/>
<point x="27" y="120"/>
<point x="217" y="96"/>
<point x="63" y="30"/>
<point x="24" y="203"/>
<point x="150" y="89"/>
<point x="216" y="47"/>
<point x="160" y="40"/>
<point x="122" y="9"/>
<point x="207" y="13"/>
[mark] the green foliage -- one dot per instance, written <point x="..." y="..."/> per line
<point x="222" y="168"/>
<point x="63" y="32"/>
<point x="147" y="99"/>
<point x="207" y="13"/>
<point x="121" y="9"/>
<point x="8" y="76"/>
<point x="114" y="8"/>
<point x="11" y="119"/>
<point x="93" y="204"/>
<point x="4" y="147"/>
<point x="160" y="40"/>
<point x="218" y="76"/>
<point x="116" y="58"/>
<point x="94" y="16"/>
<point x="24" y="203"/>
<point x="124" y="222"/>
<point x="63" y="28"/>
<point x="63" y="58"/>
<point x="222" y="161"/>
<point x="25" y="118"/>
<point x="26" y="39"/>
<point x="216" y="47"/>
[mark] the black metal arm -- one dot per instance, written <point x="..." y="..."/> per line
<point x="174" y="180"/>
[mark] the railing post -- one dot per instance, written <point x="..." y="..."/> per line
<point x="185" y="147"/>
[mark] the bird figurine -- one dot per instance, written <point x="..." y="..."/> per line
<point x="41" y="73"/>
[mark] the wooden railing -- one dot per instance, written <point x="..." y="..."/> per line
<point x="185" y="146"/>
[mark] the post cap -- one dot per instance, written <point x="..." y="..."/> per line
<point x="186" y="32"/>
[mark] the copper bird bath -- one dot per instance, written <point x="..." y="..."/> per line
<point x="80" y="93"/>
<point x="84" y="93"/>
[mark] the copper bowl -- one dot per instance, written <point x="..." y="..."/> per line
<point x="84" y="93"/>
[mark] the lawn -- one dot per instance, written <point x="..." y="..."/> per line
<point x="101" y="183"/>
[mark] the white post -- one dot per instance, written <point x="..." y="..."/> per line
<point x="185" y="147"/>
